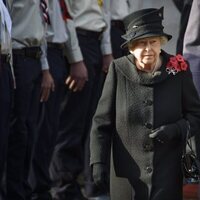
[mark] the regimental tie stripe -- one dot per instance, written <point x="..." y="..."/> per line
<point x="100" y="2"/>
<point x="64" y="10"/>
<point x="43" y="5"/>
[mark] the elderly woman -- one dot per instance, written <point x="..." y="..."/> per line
<point x="148" y="103"/>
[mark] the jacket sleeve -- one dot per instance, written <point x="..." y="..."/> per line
<point x="73" y="51"/>
<point x="191" y="42"/>
<point x="104" y="121"/>
<point x="191" y="103"/>
<point x="106" y="40"/>
<point x="43" y="58"/>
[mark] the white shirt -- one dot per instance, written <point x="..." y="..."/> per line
<point x="5" y="29"/>
<point x="60" y="31"/>
<point x="88" y="15"/>
<point x="56" y="31"/>
<point x="28" y="26"/>
<point x="121" y="8"/>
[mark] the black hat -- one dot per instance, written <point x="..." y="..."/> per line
<point x="144" y="23"/>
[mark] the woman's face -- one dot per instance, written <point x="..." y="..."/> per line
<point x="146" y="52"/>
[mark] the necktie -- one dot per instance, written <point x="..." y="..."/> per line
<point x="43" y="5"/>
<point x="64" y="10"/>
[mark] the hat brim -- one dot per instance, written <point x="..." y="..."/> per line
<point x="124" y="45"/>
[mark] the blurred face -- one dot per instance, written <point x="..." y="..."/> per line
<point x="146" y="52"/>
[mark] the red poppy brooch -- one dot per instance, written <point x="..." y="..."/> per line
<point x="176" y="64"/>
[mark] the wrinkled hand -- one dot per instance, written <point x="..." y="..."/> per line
<point x="47" y="85"/>
<point x="166" y="133"/>
<point x="78" y="76"/>
<point x="107" y="59"/>
<point x="100" y="175"/>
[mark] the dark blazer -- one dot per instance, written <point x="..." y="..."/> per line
<point x="191" y="50"/>
<point x="132" y="104"/>
<point x="184" y="6"/>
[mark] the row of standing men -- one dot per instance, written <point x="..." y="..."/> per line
<point x="59" y="62"/>
<point x="59" y="52"/>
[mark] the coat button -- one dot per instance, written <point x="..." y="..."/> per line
<point x="149" y="169"/>
<point x="148" y="102"/>
<point x="148" y="147"/>
<point x="148" y="125"/>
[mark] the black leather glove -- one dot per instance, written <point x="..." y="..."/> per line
<point x="100" y="175"/>
<point x="166" y="133"/>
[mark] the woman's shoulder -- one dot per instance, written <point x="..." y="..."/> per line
<point x="124" y="60"/>
<point x="120" y="60"/>
<point x="125" y="66"/>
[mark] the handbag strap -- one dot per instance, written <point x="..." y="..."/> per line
<point x="188" y="141"/>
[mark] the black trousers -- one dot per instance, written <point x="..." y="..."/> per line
<point x="23" y="134"/>
<point x="116" y="31"/>
<point x="6" y="92"/>
<point x="68" y="159"/>
<point x="48" y="122"/>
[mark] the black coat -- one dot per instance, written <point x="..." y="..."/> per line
<point x="132" y="104"/>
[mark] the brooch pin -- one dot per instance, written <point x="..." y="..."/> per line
<point x="171" y="70"/>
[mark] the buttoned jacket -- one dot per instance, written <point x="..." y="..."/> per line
<point x="132" y="104"/>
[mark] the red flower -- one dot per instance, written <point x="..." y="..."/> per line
<point x="180" y="58"/>
<point x="176" y="64"/>
<point x="184" y="66"/>
<point x="173" y="60"/>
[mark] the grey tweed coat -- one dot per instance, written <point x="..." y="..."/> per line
<point x="132" y="104"/>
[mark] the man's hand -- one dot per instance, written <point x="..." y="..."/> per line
<point x="78" y="76"/>
<point x="107" y="59"/>
<point x="47" y="85"/>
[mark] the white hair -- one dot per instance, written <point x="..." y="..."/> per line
<point x="163" y="41"/>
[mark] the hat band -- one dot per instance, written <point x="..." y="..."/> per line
<point x="137" y="31"/>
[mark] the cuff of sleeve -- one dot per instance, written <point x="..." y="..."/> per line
<point x="74" y="56"/>
<point x="98" y="157"/>
<point x="106" y="49"/>
<point x="44" y="65"/>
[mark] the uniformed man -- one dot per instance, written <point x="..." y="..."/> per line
<point x="33" y="84"/>
<point x="76" y="117"/>
<point x="191" y="45"/>
<point x="118" y="10"/>
<point x="61" y="40"/>
<point x="6" y="84"/>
